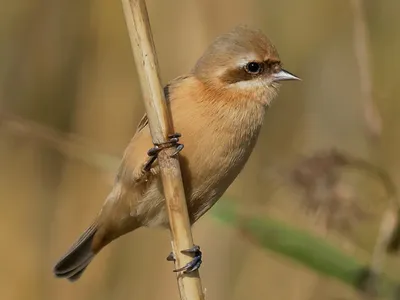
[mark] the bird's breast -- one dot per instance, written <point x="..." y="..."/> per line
<point x="216" y="150"/>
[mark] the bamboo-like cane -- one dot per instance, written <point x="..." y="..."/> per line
<point x="137" y="21"/>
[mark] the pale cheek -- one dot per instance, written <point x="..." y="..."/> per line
<point x="258" y="90"/>
<point x="250" y="85"/>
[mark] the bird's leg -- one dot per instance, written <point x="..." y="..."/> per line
<point x="153" y="152"/>
<point x="191" y="266"/>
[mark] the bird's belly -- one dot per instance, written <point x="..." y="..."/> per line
<point x="204" y="194"/>
<point x="199" y="203"/>
<point x="204" y="185"/>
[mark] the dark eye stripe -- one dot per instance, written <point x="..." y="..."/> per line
<point x="236" y="75"/>
<point x="272" y="63"/>
<point x="239" y="74"/>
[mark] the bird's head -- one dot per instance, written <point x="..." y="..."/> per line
<point x="243" y="62"/>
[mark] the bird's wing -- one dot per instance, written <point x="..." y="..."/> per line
<point x="135" y="156"/>
<point x="145" y="121"/>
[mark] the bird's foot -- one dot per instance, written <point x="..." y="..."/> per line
<point x="191" y="266"/>
<point x="153" y="152"/>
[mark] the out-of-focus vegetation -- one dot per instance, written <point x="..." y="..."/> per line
<point x="308" y="250"/>
<point x="70" y="102"/>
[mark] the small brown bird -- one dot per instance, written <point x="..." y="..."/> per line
<point x="218" y="108"/>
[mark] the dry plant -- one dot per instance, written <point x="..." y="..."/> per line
<point x="324" y="194"/>
<point x="372" y="117"/>
<point x="70" y="145"/>
<point x="160" y="124"/>
<point x="319" y="177"/>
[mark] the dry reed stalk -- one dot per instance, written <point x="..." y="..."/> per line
<point x="138" y="24"/>
<point x="372" y="117"/>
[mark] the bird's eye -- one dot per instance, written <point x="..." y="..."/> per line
<point x="254" y="68"/>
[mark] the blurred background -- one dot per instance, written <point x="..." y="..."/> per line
<point x="311" y="220"/>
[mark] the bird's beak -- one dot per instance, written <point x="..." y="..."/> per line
<point x="284" y="75"/>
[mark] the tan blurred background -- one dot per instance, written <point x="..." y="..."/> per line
<point x="70" y="101"/>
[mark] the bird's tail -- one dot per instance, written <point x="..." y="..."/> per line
<point x="76" y="260"/>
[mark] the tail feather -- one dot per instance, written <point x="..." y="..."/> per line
<point x="76" y="260"/>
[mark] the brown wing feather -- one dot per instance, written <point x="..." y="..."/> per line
<point x="76" y="260"/>
<point x="144" y="121"/>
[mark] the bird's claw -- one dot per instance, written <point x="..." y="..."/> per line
<point x="153" y="152"/>
<point x="173" y="141"/>
<point x="178" y="149"/>
<point x="191" y="266"/>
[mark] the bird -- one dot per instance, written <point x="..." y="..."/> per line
<point x="218" y="108"/>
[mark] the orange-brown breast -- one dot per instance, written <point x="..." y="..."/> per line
<point x="219" y="132"/>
